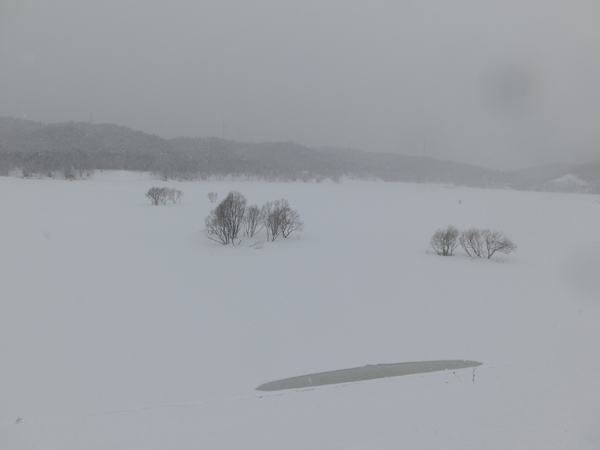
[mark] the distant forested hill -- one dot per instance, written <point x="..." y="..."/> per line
<point x="75" y="149"/>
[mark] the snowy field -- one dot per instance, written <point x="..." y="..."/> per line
<point x="123" y="327"/>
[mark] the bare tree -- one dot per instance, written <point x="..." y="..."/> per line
<point x="252" y="220"/>
<point x="212" y="196"/>
<point x="472" y="242"/>
<point x="445" y="241"/>
<point x="271" y="220"/>
<point x="290" y="221"/>
<point x="160" y="195"/>
<point x="224" y="222"/>
<point x="279" y="219"/>
<point x="216" y="229"/>
<point x="157" y="195"/>
<point x="495" y="241"/>
<point x="484" y="243"/>
<point x="174" y="195"/>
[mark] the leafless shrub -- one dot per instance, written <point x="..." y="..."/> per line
<point x="445" y="241"/>
<point x="174" y="195"/>
<point x="280" y="219"/>
<point x="495" y="241"/>
<point x="291" y="220"/>
<point x="484" y="243"/>
<point x="271" y="220"/>
<point x="212" y="196"/>
<point x="252" y="220"/>
<point x="160" y="195"/>
<point x="157" y="195"/>
<point x="224" y="222"/>
<point x="215" y="229"/>
<point x="472" y="242"/>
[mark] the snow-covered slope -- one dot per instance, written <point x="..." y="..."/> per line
<point x="123" y="327"/>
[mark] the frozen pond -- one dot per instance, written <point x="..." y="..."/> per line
<point x="365" y="373"/>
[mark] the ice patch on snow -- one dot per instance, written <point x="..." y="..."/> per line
<point x="365" y="373"/>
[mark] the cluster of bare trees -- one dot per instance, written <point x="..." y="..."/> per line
<point x="231" y="216"/>
<point x="279" y="219"/>
<point x="475" y="242"/>
<point x="161" y="195"/>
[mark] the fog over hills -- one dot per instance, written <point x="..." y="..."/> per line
<point x="504" y="85"/>
<point x="74" y="149"/>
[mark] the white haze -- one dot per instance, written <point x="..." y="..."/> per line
<point x="501" y="84"/>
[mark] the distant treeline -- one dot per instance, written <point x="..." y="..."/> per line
<point x="75" y="150"/>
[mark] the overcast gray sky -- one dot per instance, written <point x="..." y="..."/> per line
<point x="503" y="83"/>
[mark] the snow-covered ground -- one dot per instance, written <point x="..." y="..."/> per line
<point x="123" y="327"/>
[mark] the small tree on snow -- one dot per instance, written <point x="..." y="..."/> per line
<point x="252" y="220"/>
<point x="174" y="195"/>
<point x="484" y="243"/>
<point x="212" y="196"/>
<point x="495" y="241"/>
<point x="224" y="222"/>
<point x="160" y="195"/>
<point x="291" y="220"/>
<point x="445" y="241"/>
<point x="280" y="219"/>
<point x="271" y="220"/>
<point x="472" y="242"/>
<point x="157" y="195"/>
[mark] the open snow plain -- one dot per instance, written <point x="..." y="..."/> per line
<point x="123" y="327"/>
